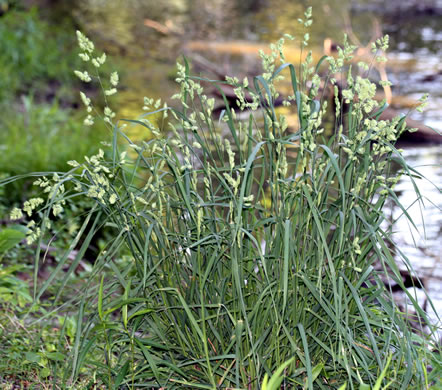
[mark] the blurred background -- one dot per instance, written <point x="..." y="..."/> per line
<point x="41" y="123"/>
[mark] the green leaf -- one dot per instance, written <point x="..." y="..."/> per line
<point x="275" y="381"/>
<point x="100" y="299"/>
<point x="125" y="297"/>
<point x="308" y="362"/>
<point x="9" y="238"/>
<point x="121" y="375"/>
<point x="378" y="383"/>
<point x="139" y="313"/>
<point x="56" y="356"/>
<point x="32" y="357"/>
<point x="317" y="370"/>
<point x="45" y="372"/>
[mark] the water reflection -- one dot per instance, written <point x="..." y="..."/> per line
<point x="422" y="246"/>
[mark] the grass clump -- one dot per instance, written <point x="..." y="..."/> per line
<point x="253" y="241"/>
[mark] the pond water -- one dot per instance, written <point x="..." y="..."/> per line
<point x="151" y="35"/>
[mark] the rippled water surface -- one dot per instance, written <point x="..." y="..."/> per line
<point x="421" y="243"/>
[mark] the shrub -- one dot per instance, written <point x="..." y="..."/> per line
<point x="251" y="245"/>
<point x="41" y="138"/>
<point x="38" y="129"/>
<point x="29" y="53"/>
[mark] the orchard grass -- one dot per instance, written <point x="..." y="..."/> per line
<point x="254" y="243"/>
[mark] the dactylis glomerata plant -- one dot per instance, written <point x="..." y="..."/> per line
<point x="252" y="237"/>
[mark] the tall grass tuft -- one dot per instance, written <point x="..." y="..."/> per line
<point x="253" y="240"/>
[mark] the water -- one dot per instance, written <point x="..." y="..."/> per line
<point x="421" y="243"/>
<point x="423" y="247"/>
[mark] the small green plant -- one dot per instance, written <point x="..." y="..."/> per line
<point x="252" y="240"/>
<point x="32" y="352"/>
<point x="13" y="291"/>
